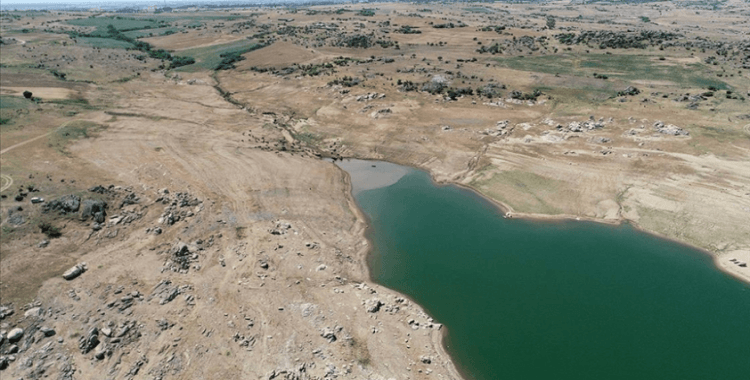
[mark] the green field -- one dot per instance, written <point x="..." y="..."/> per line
<point x="207" y="58"/>
<point x="104" y="43"/>
<point x="624" y="67"/>
<point x="72" y="130"/>
<point x="152" y="32"/>
<point x="183" y="18"/>
<point x="122" y="24"/>
<point x="9" y="105"/>
<point x="8" y="102"/>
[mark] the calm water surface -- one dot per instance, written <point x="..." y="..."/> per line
<point x="550" y="300"/>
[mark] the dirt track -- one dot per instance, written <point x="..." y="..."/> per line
<point x="7" y="181"/>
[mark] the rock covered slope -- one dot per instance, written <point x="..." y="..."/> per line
<point x="208" y="260"/>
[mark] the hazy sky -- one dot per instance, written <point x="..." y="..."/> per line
<point x="120" y="2"/>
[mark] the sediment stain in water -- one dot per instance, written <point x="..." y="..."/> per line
<point x="528" y="299"/>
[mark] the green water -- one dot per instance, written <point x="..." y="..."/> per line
<point x="551" y="300"/>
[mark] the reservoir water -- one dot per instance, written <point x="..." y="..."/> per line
<point x="526" y="299"/>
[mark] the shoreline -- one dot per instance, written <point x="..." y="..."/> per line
<point x="503" y="209"/>
<point x="363" y="223"/>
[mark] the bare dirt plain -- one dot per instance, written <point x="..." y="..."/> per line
<point x="228" y="249"/>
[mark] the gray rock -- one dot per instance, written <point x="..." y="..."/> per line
<point x="629" y="91"/>
<point x="43" y="244"/>
<point x="94" y="208"/>
<point x="373" y="305"/>
<point x="15" y="335"/>
<point x="329" y="335"/>
<point x="47" y="331"/>
<point x="5" y="311"/>
<point x="670" y="129"/>
<point x="90" y="341"/>
<point x="74" y="271"/>
<point x="101" y="352"/>
<point x="99" y="189"/>
<point x="15" y="217"/>
<point x="34" y="312"/>
<point x="13" y="349"/>
<point x="63" y="205"/>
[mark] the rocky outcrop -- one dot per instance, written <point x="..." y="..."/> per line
<point x="95" y="209"/>
<point x="670" y="129"/>
<point x="63" y="205"/>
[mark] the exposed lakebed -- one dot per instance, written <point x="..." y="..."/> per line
<point x="526" y="299"/>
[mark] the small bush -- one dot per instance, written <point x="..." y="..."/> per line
<point x="50" y="230"/>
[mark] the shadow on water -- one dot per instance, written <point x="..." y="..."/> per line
<point x="527" y="299"/>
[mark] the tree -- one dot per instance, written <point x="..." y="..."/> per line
<point x="551" y="22"/>
<point x="27" y="94"/>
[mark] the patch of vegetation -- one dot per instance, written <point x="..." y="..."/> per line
<point x="223" y="55"/>
<point x="105" y="43"/>
<point x="551" y="22"/>
<point x="152" y="32"/>
<point x="344" y="61"/>
<point x="449" y="25"/>
<point x="524" y="191"/>
<point x="310" y="139"/>
<point x="316" y="69"/>
<point x="366" y="12"/>
<point x="454" y="93"/>
<point x="70" y="131"/>
<point x="617" y="40"/>
<point x="346" y="81"/>
<point x="494" y="49"/>
<point x="627" y="67"/>
<point x="479" y="10"/>
<point x="11" y="106"/>
<point x="58" y="74"/>
<point x="120" y="23"/>
<point x="406" y="29"/>
<point x="76" y="102"/>
<point x="518" y="95"/>
<point x="8" y="102"/>
<point x="51" y="231"/>
<point x="407" y="86"/>
<point x="116" y="35"/>
<point x="490" y="28"/>
<point x="491" y="90"/>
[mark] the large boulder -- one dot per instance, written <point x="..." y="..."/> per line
<point x="63" y="205"/>
<point x="15" y="335"/>
<point x="74" y="271"/>
<point x="94" y="208"/>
